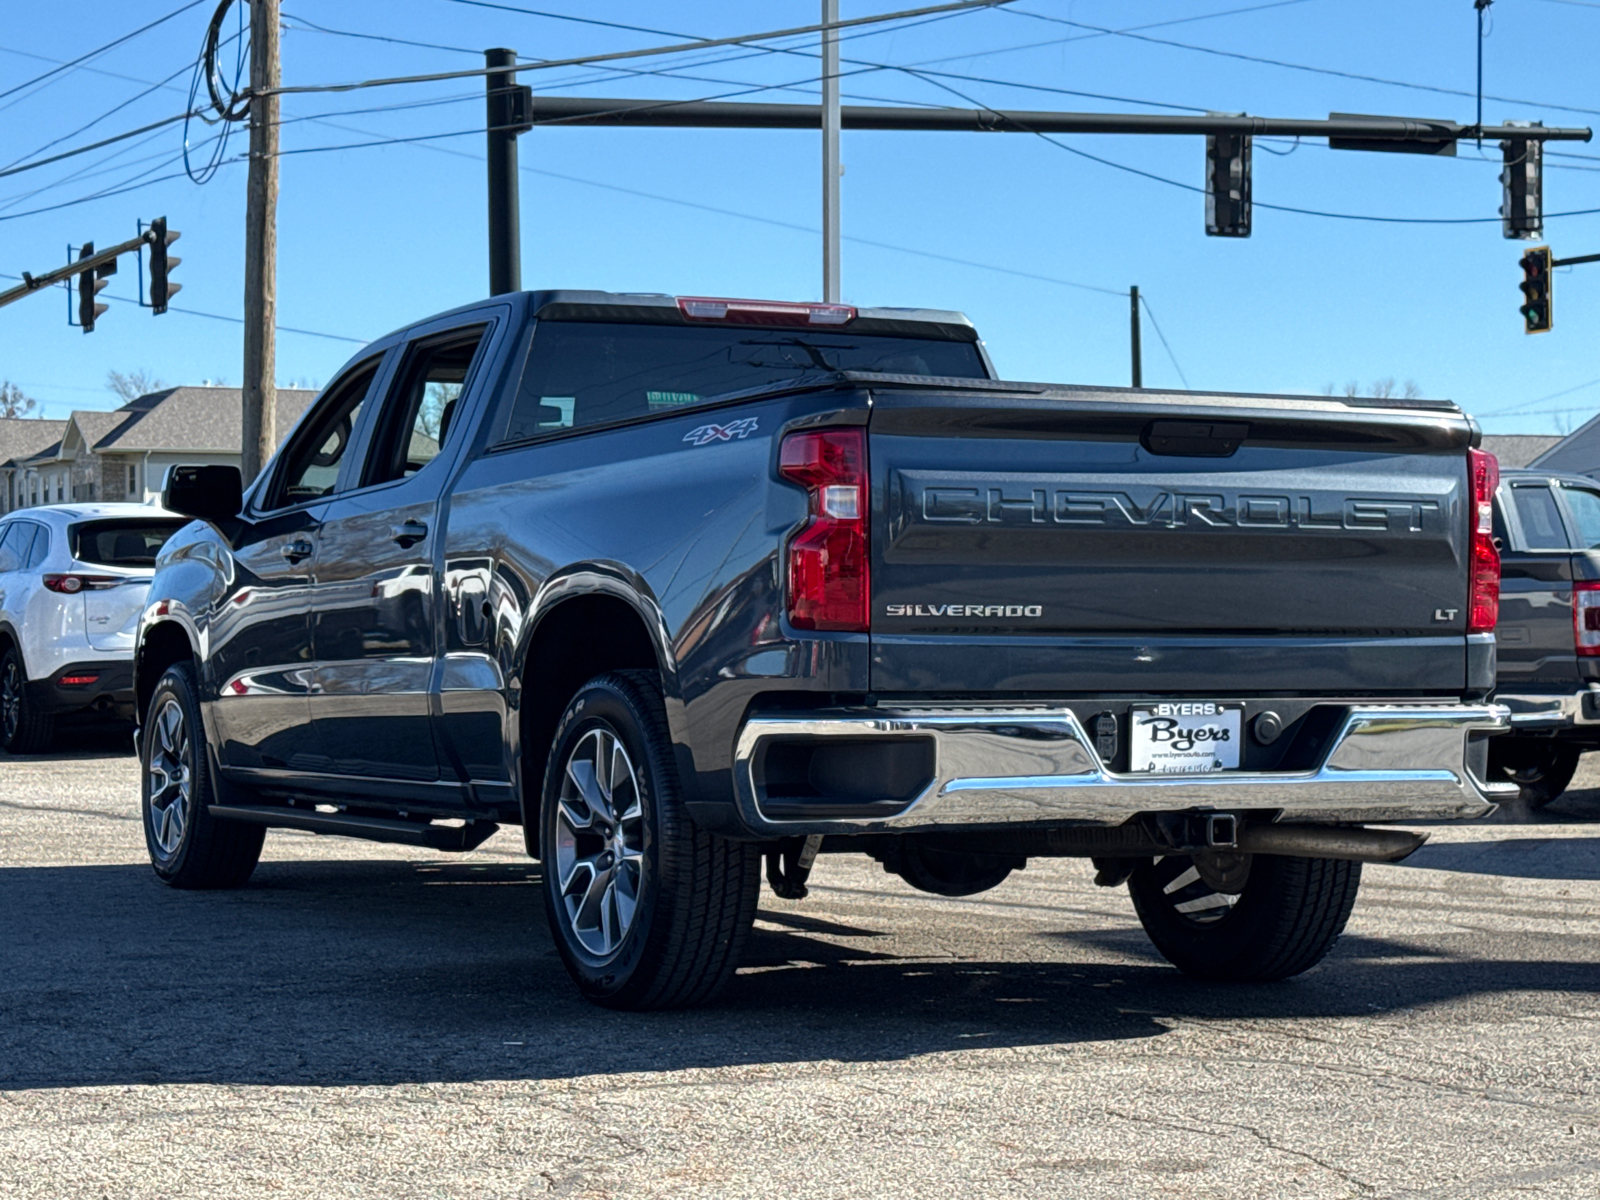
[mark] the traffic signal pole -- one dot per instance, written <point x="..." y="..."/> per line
<point x="505" y="229"/>
<point x="1133" y="329"/>
<point x="34" y="283"/>
<point x="261" y="245"/>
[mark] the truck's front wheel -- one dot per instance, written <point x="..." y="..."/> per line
<point x="647" y="910"/>
<point x="1284" y="919"/>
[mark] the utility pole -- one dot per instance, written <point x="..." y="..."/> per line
<point x="1133" y="328"/>
<point x="261" y="245"/>
<point x="505" y="236"/>
<point x="830" y="153"/>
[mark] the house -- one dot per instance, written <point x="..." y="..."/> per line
<point x="1578" y="453"/>
<point x="124" y="454"/>
<point x="20" y="439"/>
<point x="1518" y="449"/>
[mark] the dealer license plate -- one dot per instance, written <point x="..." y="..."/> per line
<point x="1184" y="737"/>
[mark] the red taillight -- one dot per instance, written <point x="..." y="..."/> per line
<point x="71" y="585"/>
<point x="1586" y="618"/>
<point x="1483" y="596"/>
<point x="829" y="572"/>
<point x="77" y="680"/>
<point x="764" y="312"/>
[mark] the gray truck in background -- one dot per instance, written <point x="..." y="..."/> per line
<point x="679" y="585"/>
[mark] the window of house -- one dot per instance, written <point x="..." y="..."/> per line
<point x="61" y="488"/>
<point x="133" y="479"/>
<point x="422" y="405"/>
<point x="311" y="467"/>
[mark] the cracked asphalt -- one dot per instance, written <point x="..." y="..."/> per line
<point x="363" y="1020"/>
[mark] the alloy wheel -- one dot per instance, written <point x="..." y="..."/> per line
<point x="171" y="779"/>
<point x="599" y="856"/>
<point x="10" y="700"/>
<point x="1190" y="895"/>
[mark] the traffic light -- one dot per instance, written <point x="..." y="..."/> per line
<point x="1228" y="185"/>
<point x="90" y="283"/>
<point x="1537" y="291"/>
<point x="161" y="264"/>
<point x="1522" y="207"/>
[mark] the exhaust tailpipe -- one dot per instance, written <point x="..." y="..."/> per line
<point x="1330" y="841"/>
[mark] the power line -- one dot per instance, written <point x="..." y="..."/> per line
<point x="194" y="312"/>
<point x="649" y="51"/>
<point x="1151" y="313"/>
<point x="1275" y="62"/>
<point x="1513" y="410"/>
<point x="66" y="66"/>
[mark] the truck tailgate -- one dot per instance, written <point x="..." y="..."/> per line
<point x="1068" y="540"/>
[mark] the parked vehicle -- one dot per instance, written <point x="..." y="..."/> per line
<point x="679" y="584"/>
<point x="1548" y="526"/>
<point x="72" y="586"/>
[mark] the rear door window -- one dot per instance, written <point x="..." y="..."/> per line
<point x="594" y="373"/>
<point x="1539" y="517"/>
<point x="422" y="405"/>
<point x="1584" y="506"/>
<point x="14" y="540"/>
<point x="41" y="547"/>
<point x="121" y="543"/>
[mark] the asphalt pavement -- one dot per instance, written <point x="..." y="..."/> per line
<point x="363" y="1020"/>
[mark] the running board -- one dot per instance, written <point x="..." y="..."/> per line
<point x="373" y="829"/>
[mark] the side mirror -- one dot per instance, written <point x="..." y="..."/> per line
<point x="214" y="493"/>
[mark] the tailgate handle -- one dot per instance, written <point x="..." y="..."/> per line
<point x="1196" y="439"/>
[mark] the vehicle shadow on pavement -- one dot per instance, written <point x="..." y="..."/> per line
<point x="353" y="972"/>
<point x="1519" y="858"/>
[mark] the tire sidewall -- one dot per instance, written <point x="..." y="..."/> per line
<point x="1214" y="947"/>
<point x="174" y="685"/>
<point x="601" y="704"/>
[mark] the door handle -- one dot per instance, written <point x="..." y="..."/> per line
<point x="298" y="549"/>
<point x="409" y="533"/>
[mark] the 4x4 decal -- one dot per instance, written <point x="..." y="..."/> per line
<point x="704" y="435"/>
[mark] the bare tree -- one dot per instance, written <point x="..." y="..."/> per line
<point x="13" y="403"/>
<point x="132" y="385"/>
<point x="1382" y="389"/>
<point x="1413" y="390"/>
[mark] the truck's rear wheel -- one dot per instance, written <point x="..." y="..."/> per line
<point x="1283" y="921"/>
<point x="189" y="848"/>
<point x="1540" y="767"/>
<point x="647" y="910"/>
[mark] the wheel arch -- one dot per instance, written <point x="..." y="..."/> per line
<point x="160" y="645"/>
<point x="584" y="624"/>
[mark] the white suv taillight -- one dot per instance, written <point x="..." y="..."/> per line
<point x="72" y="584"/>
<point x="829" y="569"/>
<point x="1483" y="595"/>
<point x="1586" y="618"/>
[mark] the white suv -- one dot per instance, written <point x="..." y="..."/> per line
<point x="73" y="579"/>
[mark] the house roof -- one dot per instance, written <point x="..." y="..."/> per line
<point x="1519" y="449"/>
<point x="196" y="419"/>
<point x="1577" y="453"/>
<point x="23" y="437"/>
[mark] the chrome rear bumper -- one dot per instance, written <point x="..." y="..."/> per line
<point x="1554" y="710"/>
<point x="1001" y="766"/>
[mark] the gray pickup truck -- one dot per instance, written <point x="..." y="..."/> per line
<point x="679" y="584"/>
<point x="1548" y="638"/>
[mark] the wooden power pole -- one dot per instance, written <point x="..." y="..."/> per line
<point x="261" y="245"/>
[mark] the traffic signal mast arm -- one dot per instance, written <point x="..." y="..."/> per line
<point x="34" y="283"/>
<point x="1572" y="262"/>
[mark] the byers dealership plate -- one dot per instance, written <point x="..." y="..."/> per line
<point x="1185" y="737"/>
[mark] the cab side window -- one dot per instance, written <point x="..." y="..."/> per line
<point x="422" y="405"/>
<point x="1541" y="520"/>
<point x="1585" y="508"/>
<point x="312" y="466"/>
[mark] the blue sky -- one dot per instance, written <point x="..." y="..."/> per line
<point x="373" y="237"/>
